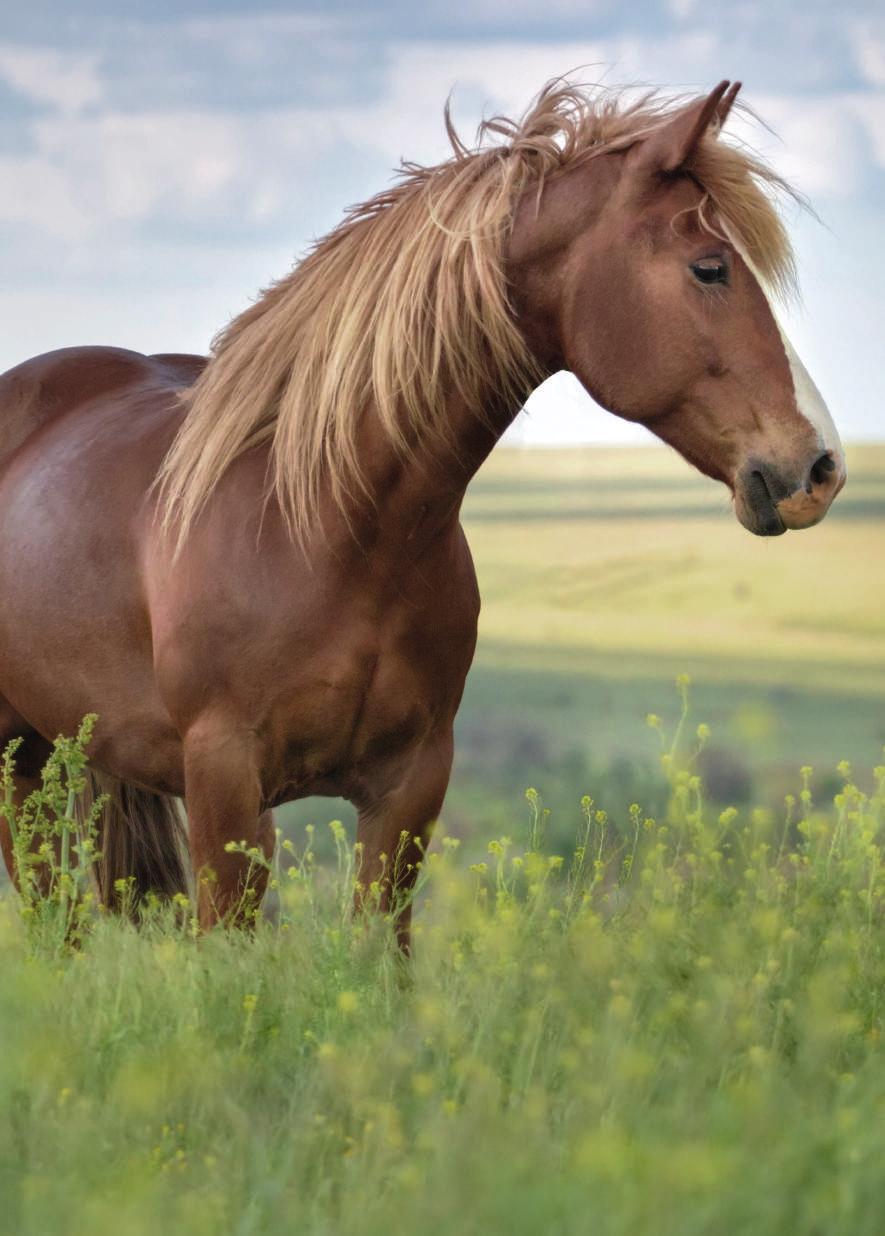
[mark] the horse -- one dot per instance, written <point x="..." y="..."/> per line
<point x="251" y="566"/>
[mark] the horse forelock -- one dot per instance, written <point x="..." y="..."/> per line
<point x="405" y="304"/>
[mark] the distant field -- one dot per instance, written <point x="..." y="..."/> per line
<point x="606" y="572"/>
<point x="630" y="556"/>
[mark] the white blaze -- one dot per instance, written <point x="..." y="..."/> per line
<point x="809" y="401"/>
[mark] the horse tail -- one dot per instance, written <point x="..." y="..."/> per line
<point x="142" y="844"/>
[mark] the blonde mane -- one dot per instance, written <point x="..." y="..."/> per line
<point x="405" y="303"/>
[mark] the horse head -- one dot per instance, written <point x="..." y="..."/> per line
<point x="649" y="272"/>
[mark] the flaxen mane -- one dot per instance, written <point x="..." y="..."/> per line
<point x="406" y="302"/>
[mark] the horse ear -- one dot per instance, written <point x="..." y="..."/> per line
<point x="726" y="103"/>
<point x="669" y="146"/>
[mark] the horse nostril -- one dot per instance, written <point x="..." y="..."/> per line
<point x="821" y="469"/>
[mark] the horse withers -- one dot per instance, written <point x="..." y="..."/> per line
<point x="251" y="567"/>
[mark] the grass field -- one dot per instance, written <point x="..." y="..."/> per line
<point x="674" y="1031"/>
<point x="606" y="573"/>
<point x="651" y="1014"/>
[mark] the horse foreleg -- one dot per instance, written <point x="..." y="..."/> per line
<point x="223" y="799"/>
<point x="393" y="831"/>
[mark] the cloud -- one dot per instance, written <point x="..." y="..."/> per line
<point x="236" y="169"/>
<point x="94" y="165"/>
<point x="101" y="185"/>
<point x="182" y="162"/>
<point x="406" y="121"/>
<point x="48" y="75"/>
<point x="868" y="42"/>
<point x="870" y="110"/>
<point x="816" y="144"/>
<point x="830" y="147"/>
<point x="102" y="179"/>
<point x="247" y="169"/>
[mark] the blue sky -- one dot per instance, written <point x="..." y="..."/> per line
<point x="160" y="162"/>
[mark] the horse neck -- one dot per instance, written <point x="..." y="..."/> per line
<point x="425" y="488"/>
<point x="425" y="485"/>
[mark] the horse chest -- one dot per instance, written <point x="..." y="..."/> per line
<point x="362" y="710"/>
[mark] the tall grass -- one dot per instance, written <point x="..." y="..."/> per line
<point x="674" y="1029"/>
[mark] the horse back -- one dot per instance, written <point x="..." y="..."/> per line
<point x="46" y="387"/>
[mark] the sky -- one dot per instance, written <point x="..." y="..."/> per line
<point x="162" y="161"/>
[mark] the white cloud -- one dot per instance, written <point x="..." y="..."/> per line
<point x="104" y="168"/>
<point x="870" y="110"/>
<point x="821" y="144"/>
<point x="101" y="168"/>
<point x="480" y="12"/>
<point x="109" y="170"/>
<point x="102" y="183"/>
<point x="504" y="76"/>
<point x="68" y="81"/>
<point x="37" y="193"/>
<point x="868" y="44"/>
<point x="483" y="78"/>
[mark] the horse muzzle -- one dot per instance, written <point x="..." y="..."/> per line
<point x="769" y="499"/>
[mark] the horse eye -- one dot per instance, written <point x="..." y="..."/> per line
<point x="710" y="270"/>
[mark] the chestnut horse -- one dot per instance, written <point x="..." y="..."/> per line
<point x="251" y="567"/>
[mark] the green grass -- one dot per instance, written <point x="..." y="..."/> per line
<point x="674" y="1030"/>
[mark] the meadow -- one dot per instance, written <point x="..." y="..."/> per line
<point x="647" y="988"/>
